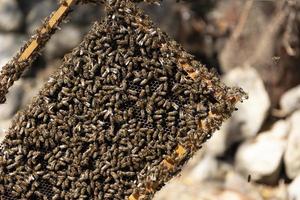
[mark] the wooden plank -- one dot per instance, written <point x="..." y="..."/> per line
<point x="53" y="21"/>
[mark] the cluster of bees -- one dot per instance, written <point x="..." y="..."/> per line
<point x="117" y="108"/>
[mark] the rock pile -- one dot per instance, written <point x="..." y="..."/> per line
<point x="124" y="112"/>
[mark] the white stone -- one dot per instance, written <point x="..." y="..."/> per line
<point x="13" y="102"/>
<point x="262" y="157"/>
<point x="37" y="14"/>
<point x="4" y="125"/>
<point x="290" y="100"/>
<point x="205" y="169"/>
<point x="218" y="144"/>
<point x="230" y="194"/>
<point x="63" y="41"/>
<point x="280" y="129"/>
<point x="292" y="154"/>
<point x="254" y="110"/>
<point x="32" y="88"/>
<point x="247" y="121"/>
<point x="10" y="44"/>
<point x="205" y="191"/>
<point x="294" y="189"/>
<point x="234" y="181"/>
<point x="10" y="15"/>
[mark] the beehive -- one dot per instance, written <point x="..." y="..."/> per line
<point x="120" y="117"/>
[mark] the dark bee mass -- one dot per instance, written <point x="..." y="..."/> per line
<point x="119" y="118"/>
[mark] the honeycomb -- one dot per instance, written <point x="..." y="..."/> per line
<point x="121" y="116"/>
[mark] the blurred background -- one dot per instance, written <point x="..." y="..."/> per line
<point x="254" y="44"/>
